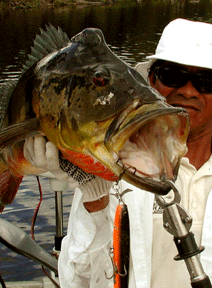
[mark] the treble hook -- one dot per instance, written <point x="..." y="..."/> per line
<point x="115" y="268"/>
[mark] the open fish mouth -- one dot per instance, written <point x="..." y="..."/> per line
<point x="148" y="146"/>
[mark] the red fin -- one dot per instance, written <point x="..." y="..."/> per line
<point x="9" y="185"/>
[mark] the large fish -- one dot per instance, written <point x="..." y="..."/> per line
<point x="95" y="108"/>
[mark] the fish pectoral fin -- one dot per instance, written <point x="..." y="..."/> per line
<point x="18" y="132"/>
<point x="9" y="185"/>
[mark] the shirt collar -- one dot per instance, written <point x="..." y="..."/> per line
<point x="206" y="169"/>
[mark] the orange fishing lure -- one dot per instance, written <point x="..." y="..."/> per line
<point x="121" y="246"/>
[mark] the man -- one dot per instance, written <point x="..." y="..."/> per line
<point x="181" y="70"/>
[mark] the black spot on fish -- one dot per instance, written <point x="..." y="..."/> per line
<point x="76" y="81"/>
<point x="58" y="84"/>
<point x="55" y="62"/>
<point x="61" y="85"/>
<point x="74" y="124"/>
<point x="24" y="87"/>
<point x="51" y="118"/>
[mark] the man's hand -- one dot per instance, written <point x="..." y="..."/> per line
<point x="45" y="155"/>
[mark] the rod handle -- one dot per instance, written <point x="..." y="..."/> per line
<point x="203" y="283"/>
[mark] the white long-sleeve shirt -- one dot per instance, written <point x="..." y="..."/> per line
<point x="84" y="260"/>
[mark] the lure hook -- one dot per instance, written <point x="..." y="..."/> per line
<point x="115" y="268"/>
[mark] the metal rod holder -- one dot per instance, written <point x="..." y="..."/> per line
<point x="59" y="213"/>
<point x="178" y="222"/>
<point x="58" y="186"/>
<point x="59" y="219"/>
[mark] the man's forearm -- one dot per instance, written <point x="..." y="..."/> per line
<point x="97" y="205"/>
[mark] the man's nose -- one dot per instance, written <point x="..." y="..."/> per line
<point x="188" y="90"/>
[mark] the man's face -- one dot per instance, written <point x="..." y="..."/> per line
<point x="196" y="101"/>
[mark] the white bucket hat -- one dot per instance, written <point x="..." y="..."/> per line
<point x="185" y="42"/>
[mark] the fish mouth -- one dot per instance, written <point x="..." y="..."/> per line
<point x="148" y="144"/>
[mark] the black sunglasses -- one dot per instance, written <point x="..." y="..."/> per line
<point x="176" y="77"/>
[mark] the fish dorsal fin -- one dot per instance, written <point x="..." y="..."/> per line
<point x="47" y="42"/>
<point x="6" y="90"/>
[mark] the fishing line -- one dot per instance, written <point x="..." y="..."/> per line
<point x="50" y="278"/>
<point x="32" y="230"/>
<point x="37" y="209"/>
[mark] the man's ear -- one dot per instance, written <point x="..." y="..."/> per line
<point x="152" y="79"/>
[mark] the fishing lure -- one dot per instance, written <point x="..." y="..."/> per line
<point x="121" y="243"/>
<point x="121" y="246"/>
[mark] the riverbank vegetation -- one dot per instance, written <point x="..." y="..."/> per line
<point x="27" y="4"/>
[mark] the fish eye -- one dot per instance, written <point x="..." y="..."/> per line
<point x="100" y="80"/>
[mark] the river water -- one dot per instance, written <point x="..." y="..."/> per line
<point x="132" y="32"/>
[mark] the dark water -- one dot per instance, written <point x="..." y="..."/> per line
<point x="14" y="267"/>
<point x="132" y="32"/>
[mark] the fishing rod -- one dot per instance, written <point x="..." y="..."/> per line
<point x="58" y="186"/>
<point x="20" y="242"/>
<point x="178" y="222"/>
